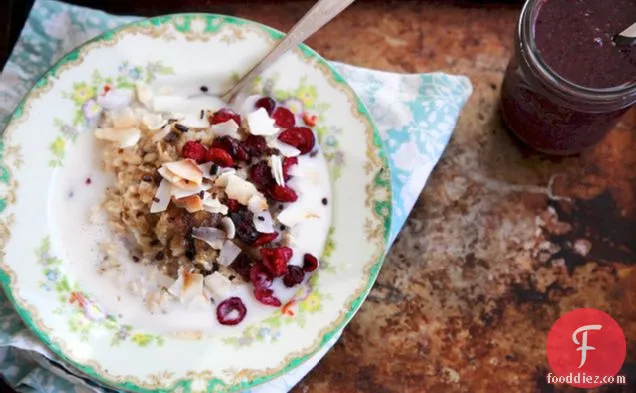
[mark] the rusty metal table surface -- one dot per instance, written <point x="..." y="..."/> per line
<point x="502" y="240"/>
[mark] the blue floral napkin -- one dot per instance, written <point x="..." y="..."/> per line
<point x="415" y="115"/>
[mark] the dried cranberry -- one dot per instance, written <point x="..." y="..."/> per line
<point x="288" y="162"/>
<point x="302" y="138"/>
<point x="194" y="150"/>
<point x="275" y="259"/>
<point x="231" y="311"/>
<point x="266" y="297"/>
<point x="267" y="103"/>
<point x="233" y="205"/>
<point x="294" y="276"/>
<point x="261" y="277"/>
<point x="242" y="265"/>
<point x="220" y="157"/>
<point x="284" y="117"/>
<point x="265" y="238"/>
<point x="232" y="146"/>
<point x="223" y="115"/>
<point x="261" y="175"/>
<point x="255" y="145"/>
<point x="310" y="119"/>
<point x="245" y="230"/>
<point x="310" y="263"/>
<point x="283" y="194"/>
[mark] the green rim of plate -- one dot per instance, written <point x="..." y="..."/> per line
<point x="382" y="208"/>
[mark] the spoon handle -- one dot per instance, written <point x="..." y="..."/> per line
<point x="319" y="15"/>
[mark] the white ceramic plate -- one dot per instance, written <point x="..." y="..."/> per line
<point x="59" y="298"/>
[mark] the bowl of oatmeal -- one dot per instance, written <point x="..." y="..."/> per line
<point x="213" y="247"/>
<point x="214" y="199"/>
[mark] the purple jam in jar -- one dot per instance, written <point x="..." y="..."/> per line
<point x="568" y="83"/>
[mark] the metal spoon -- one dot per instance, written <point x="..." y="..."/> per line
<point x="319" y="15"/>
<point x="626" y="37"/>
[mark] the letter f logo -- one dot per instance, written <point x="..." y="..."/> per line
<point x="584" y="347"/>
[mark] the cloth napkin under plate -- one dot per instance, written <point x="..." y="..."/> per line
<point x="415" y="114"/>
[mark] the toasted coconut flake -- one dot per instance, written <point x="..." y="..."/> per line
<point x="291" y="216"/>
<point x="133" y="136"/>
<point x="193" y="121"/>
<point x="187" y="287"/>
<point x="263" y="222"/>
<point x="116" y="99"/>
<point x="186" y="184"/>
<point x="162" y="197"/>
<point x="224" y="175"/>
<point x="239" y="189"/>
<point x="214" y="237"/>
<point x="191" y="203"/>
<point x="176" y="180"/>
<point x="167" y="103"/>
<point x="219" y="286"/>
<point x="213" y="205"/>
<point x="124" y="137"/>
<point x="259" y="123"/>
<point x="153" y="122"/>
<point x="285" y="149"/>
<point x="228" y="226"/>
<point x="257" y="203"/>
<point x="123" y="118"/>
<point x="168" y="175"/>
<point x="228" y="128"/>
<point x="247" y="104"/>
<point x="186" y="169"/>
<point x="144" y="94"/>
<point x="276" y="164"/>
<point x="209" y="171"/>
<point x="182" y="193"/>
<point x="228" y="253"/>
<point x="160" y="134"/>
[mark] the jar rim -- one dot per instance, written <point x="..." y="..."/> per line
<point x="525" y="32"/>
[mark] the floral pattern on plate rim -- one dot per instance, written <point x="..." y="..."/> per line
<point x="377" y="198"/>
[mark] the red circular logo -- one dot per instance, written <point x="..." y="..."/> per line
<point x="585" y="348"/>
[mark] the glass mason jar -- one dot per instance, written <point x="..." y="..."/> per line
<point x="548" y="112"/>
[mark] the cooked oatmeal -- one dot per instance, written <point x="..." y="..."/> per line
<point x="208" y="198"/>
